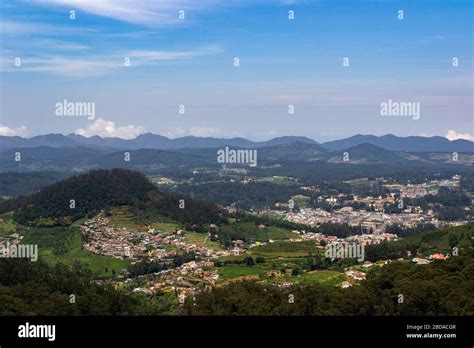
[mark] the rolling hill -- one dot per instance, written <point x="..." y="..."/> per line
<point x="66" y="201"/>
<point x="366" y="153"/>
<point x="155" y="141"/>
<point x="409" y="144"/>
<point x="77" y="159"/>
<point x="143" y="141"/>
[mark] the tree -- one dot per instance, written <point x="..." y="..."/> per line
<point x="249" y="261"/>
<point x="295" y="272"/>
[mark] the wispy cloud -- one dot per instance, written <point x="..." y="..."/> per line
<point x="155" y="13"/>
<point x="67" y="66"/>
<point x="59" y="45"/>
<point x="200" y="132"/>
<point x="149" y="13"/>
<point x="453" y="135"/>
<point x="109" y="129"/>
<point x="11" y="132"/>
<point x="98" y="65"/>
<point x="20" y="27"/>
<point x="9" y="27"/>
<point x="143" y="56"/>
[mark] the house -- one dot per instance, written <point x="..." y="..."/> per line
<point x="273" y="272"/>
<point x="345" y="285"/>
<point x="356" y="275"/>
<point x="367" y="264"/>
<point x="440" y="257"/>
<point x="420" y="261"/>
<point x="238" y="242"/>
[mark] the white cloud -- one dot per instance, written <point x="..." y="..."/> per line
<point x="149" y="13"/>
<point x="143" y="56"/>
<point x="21" y="27"/>
<point x="155" y="13"/>
<point x="11" y="132"/>
<point x="453" y="135"/>
<point x="200" y="132"/>
<point x="58" y="45"/>
<point x="72" y="67"/>
<point x="108" y="129"/>
<point x="8" y="27"/>
<point x="97" y="65"/>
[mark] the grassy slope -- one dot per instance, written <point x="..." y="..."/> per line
<point x="62" y="244"/>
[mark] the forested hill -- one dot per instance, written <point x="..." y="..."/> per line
<point x="66" y="201"/>
<point x="425" y="243"/>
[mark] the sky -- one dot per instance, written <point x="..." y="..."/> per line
<point x="189" y="61"/>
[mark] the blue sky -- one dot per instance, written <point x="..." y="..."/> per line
<point x="282" y="62"/>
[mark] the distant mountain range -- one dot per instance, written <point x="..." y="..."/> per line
<point x="410" y="144"/>
<point x="154" y="141"/>
<point x="80" y="158"/>
<point x="153" y="154"/>
<point x="144" y="141"/>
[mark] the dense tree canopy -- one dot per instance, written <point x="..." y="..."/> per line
<point x="440" y="288"/>
<point x="66" y="201"/>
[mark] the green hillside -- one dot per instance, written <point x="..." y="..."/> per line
<point x="69" y="200"/>
<point x="425" y="243"/>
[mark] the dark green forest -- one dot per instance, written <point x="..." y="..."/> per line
<point x="423" y="243"/>
<point x="101" y="189"/>
<point x="28" y="288"/>
<point x="440" y="288"/>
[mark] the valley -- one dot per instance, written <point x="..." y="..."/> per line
<point x="174" y="249"/>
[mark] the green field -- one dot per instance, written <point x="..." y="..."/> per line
<point x="259" y="271"/>
<point x="64" y="245"/>
<point x="230" y="272"/>
<point x="279" y="252"/>
<point x="122" y="217"/>
<point x="322" y="277"/>
<point x="249" y="232"/>
<point x="301" y="201"/>
<point x="277" y="180"/>
<point x="100" y="266"/>
<point x="359" y="181"/>
<point x="198" y="239"/>
<point x="7" y="226"/>
<point x="281" y="249"/>
<point x="167" y="227"/>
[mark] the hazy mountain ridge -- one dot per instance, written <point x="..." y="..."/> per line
<point x="154" y="141"/>
<point x="409" y="144"/>
<point x="79" y="159"/>
<point x="143" y="141"/>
